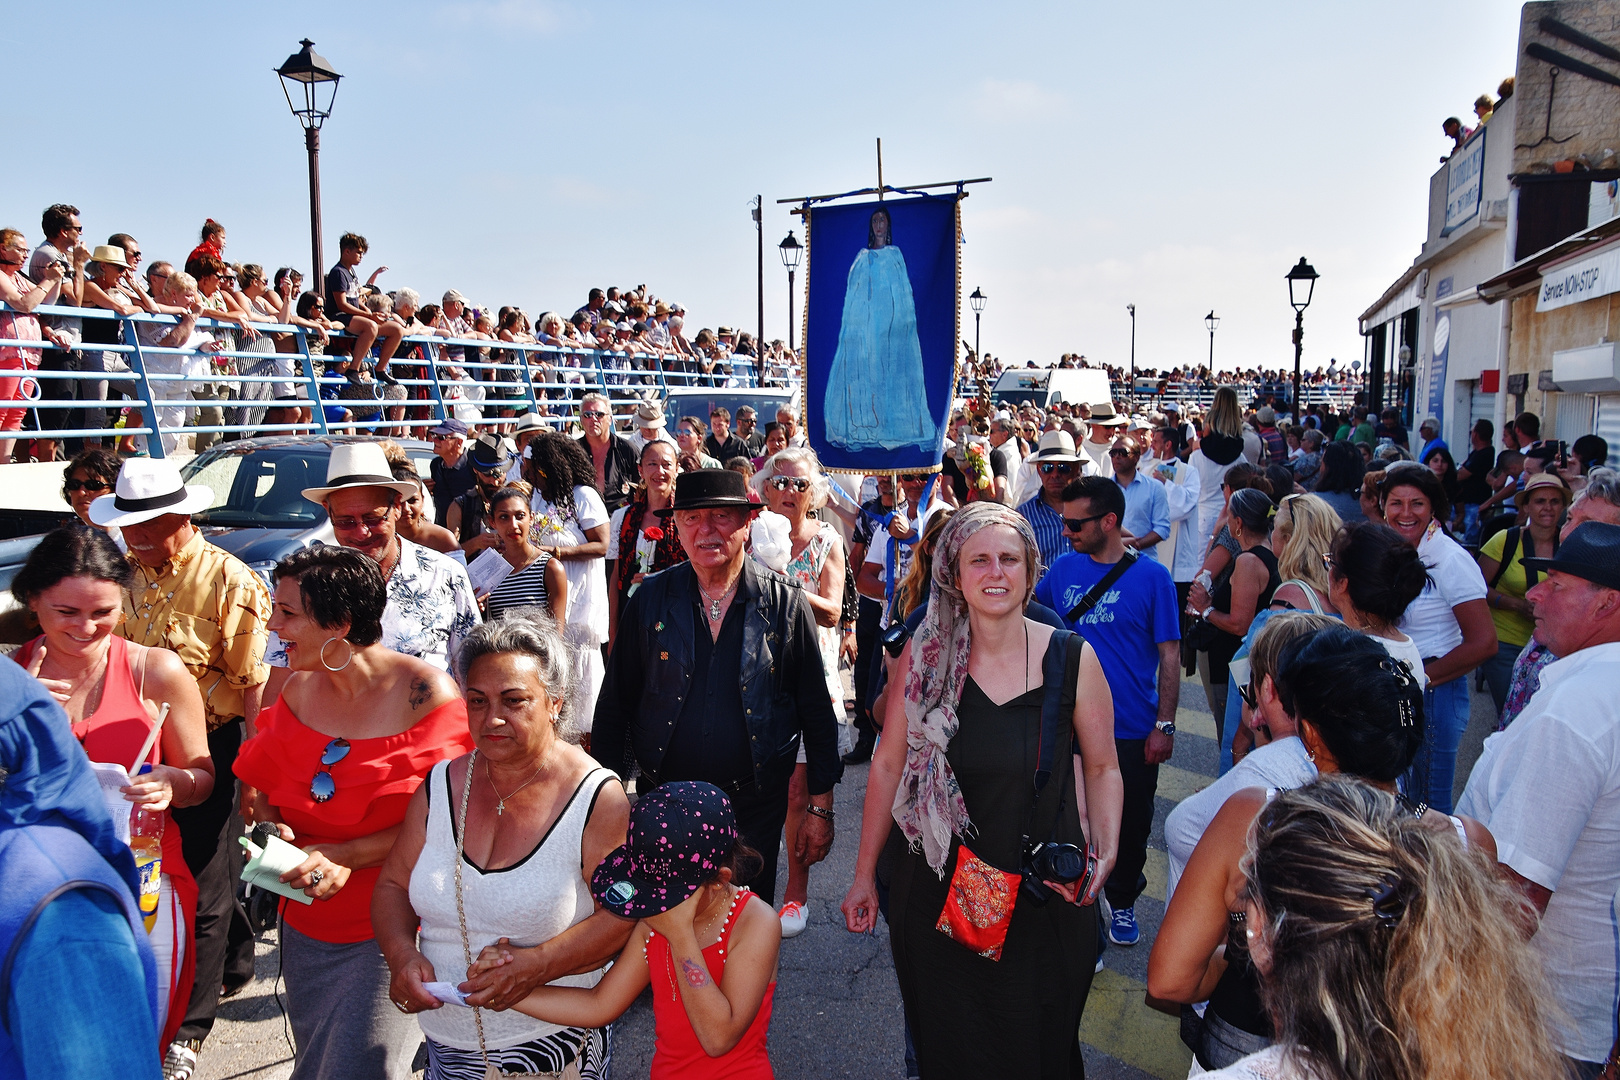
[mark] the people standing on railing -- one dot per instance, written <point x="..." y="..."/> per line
<point x="343" y="304"/>
<point x="21" y="295"/>
<point x="63" y="247"/>
<point x="260" y="305"/>
<point x="218" y="304"/>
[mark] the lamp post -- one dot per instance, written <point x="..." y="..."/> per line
<point x="759" y="240"/>
<point x="1212" y="320"/>
<point x="790" y="249"/>
<point x="1131" y="397"/>
<point x="317" y="87"/>
<point x="976" y="301"/>
<point x="1301" y="284"/>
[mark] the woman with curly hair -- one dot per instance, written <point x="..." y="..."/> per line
<point x="571" y="525"/>
<point x="1385" y="949"/>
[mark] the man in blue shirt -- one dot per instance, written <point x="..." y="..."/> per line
<point x="1429" y="432"/>
<point x="1147" y="508"/>
<point x="1057" y="464"/>
<point x="1135" y="628"/>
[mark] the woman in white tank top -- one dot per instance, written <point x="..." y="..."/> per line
<point x="500" y="845"/>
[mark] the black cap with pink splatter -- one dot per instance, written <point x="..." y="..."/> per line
<point x="680" y="835"/>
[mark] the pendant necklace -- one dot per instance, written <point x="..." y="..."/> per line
<point x="715" y="601"/>
<point x="500" y="800"/>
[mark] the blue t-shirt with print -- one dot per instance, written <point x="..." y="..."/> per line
<point x="1135" y="615"/>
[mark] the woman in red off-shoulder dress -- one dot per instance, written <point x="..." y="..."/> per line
<point x="335" y="761"/>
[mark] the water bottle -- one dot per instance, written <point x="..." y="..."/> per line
<point x="146" y="841"/>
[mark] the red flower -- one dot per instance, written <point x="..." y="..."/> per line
<point x="653" y="533"/>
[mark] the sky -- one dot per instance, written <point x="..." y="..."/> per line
<point x="1176" y="156"/>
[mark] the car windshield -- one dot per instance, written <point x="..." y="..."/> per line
<point x="700" y="403"/>
<point x="263" y="487"/>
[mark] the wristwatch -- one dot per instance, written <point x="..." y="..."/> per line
<point x="1205" y="613"/>
<point x="1165" y="727"/>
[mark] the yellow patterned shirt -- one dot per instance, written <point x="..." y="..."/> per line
<point x="210" y="609"/>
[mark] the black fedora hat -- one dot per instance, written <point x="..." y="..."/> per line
<point x="703" y="488"/>
<point x="1591" y="552"/>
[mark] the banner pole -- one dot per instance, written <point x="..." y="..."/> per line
<point x="880" y="169"/>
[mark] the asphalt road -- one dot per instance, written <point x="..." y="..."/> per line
<point x="837" y="1010"/>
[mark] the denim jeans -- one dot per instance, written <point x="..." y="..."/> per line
<point x="1499" y="672"/>
<point x="1445" y="716"/>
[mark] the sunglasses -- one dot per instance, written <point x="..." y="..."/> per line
<point x="1076" y="524"/>
<point x="1249" y="696"/>
<point x="322" y="787"/>
<point x="914" y="478"/>
<point x="1049" y="467"/>
<point x="1120" y="451"/>
<point x="593" y="414"/>
<point x="86" y="485"/>
<point x="782" y="483"/>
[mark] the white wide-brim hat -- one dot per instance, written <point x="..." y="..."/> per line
<point x="148" y="488"/>
<point x="356" y="465"/>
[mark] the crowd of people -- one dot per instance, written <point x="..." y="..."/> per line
<point x="535" y="731"/>
<point x="355" y="331"/>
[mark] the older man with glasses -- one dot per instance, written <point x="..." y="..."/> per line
<point x="614" y="457"/>
<point x="1146" y="523"/>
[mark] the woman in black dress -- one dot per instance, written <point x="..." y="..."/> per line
<point x="993" y="979"/>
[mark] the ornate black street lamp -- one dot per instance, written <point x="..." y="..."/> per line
<point x="1301" y="284"/>
<point x="317" y="85"/>
<point x="791" y="251"/>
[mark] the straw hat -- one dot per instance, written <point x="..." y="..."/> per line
<point x="356" y="465"/>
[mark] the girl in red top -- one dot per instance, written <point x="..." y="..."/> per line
<point x="335" y="761"/>
<point x="111" y="689"/>
<point x="707" y="946"/>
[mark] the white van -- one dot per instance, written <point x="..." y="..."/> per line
<point x="1044" y="387"/>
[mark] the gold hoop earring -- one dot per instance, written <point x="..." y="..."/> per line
<point x="341" y="666"/>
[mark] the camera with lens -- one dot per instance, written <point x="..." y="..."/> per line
<point x="895" y="638"/>
<point x="1062" y="863"/>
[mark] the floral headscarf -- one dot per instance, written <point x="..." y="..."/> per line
<point x="928" y="804"/>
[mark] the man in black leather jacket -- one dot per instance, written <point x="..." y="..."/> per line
<point x="715" y="675"/>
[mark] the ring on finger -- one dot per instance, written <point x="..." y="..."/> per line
<point x="316" y="877"/>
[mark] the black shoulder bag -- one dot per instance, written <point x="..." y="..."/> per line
<point x="1095" y="594"/>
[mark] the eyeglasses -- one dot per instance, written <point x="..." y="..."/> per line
<point x="322" y="787"/>
<point x="1049" y="467"/>
<point x="1249" y="696"/>
<point x="593" y="414"/>
<point x="1076" y="524"/>
<point x="87" y="485"/>
<point x="132" y="256"/>
<point x="372" y="522"/>
<point x="1120" y="451"/>
<point x="913" y="478"/>
<point x="1327" y="561"/>
<point x="494" y="472"/>
<point x="782" y="483"/>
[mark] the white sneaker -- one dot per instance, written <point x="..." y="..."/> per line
<point x="794" y="916"/>
<point x="180" y="1062"/>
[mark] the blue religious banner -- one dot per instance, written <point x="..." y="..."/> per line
<point x="881" y="332"/>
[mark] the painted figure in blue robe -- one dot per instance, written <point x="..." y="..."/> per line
<point x="876" y="395"/>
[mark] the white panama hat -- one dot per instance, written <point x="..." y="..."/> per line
<point x="148" y="488"/>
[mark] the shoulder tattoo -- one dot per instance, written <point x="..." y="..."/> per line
<point x="421" y="691"/>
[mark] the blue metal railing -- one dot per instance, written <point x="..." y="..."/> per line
<point x="516" y="377"/>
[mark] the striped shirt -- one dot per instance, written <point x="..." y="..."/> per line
<point x="522" y="588"/>
<point x="1048" y="526"/>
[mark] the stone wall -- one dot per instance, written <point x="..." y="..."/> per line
<point x="1584" y="108"/>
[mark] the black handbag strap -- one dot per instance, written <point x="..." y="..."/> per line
<point x="1060" y="668"/>
<point x="1095" y="594"/>
<point x="1510" y="547"/>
